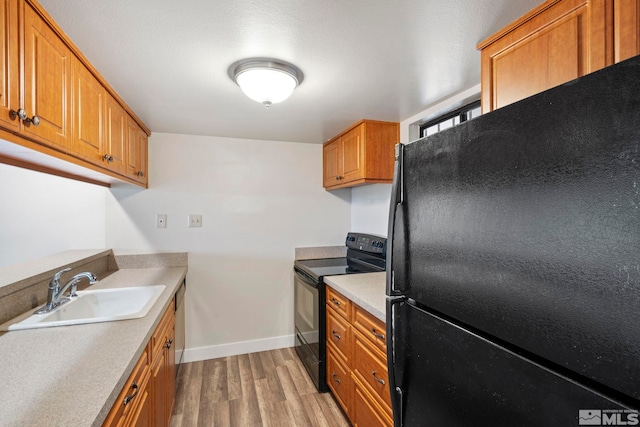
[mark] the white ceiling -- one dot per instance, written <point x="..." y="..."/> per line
<point x="374" y="59"/>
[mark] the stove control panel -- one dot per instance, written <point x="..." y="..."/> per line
<point x="367" y="243"/>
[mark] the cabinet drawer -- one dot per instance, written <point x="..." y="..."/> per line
<point x="370" y="366"/>
<point x="339" y="334"/>
<point x="133" y="391"/>
<point x="366" y="412"/>
<point x="371" y="327"/>
<point x="338" y="302"/>
<point x="339" y="381"/>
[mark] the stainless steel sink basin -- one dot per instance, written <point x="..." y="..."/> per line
<point x="93" y="306"/>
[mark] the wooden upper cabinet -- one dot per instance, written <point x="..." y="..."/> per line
<point x="137" y="152"/>
<point x="557" y="42"/>
<point x="353" y="154"/>
<point x="53" y="101"/>
<point x="9" y="71"/>
<point x="114" y="152"/>
<point x="362" y="154"/>
<point x="626" y="28"/>
<point x="88" y="114"/>
<point x="47" y="82"/>
<point x="332" y="162"/>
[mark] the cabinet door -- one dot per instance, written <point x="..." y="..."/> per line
<point x="88" y="114"/>
<point x="555" y="43"/>
<point x="141" y="414"/>
<point x="353" y="154"/>
<point x="332" y="161"/>
<point x="136" y="151"/>
<point x="9" y="65"/>
<point x="116" y="135"/>
<point x="339" y="381"/>
<point x="626" y="29"/>
<point x="47" y="83"/>
<point x="370" y="367"/>
<point x="338" y="334"/>
<point x="171" y="370"/>
<point x="366" y="412"/>
<point x="159" y="390"/>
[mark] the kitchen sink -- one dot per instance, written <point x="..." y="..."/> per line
<point x="93" y="306"/>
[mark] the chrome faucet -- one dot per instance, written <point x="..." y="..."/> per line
<point x="54" y="296"/>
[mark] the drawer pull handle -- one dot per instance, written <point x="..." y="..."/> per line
<point x="381" y="381"/>
<point x="335" y="335"/>
<point x="128" y="399"/>
<point x="376" y="334"/>
<point x="336" y="379"/>
<point x="335" y="301"/>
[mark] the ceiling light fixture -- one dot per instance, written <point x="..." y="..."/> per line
<point x="266" y="80"/>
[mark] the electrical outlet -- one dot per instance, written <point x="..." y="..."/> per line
<point x="195" y="221"/>
<point x="161" y="221"/>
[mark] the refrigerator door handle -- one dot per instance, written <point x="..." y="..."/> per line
<point x="395" y="363"/>
<point x="395" y="267"/>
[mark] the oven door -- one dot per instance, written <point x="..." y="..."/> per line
<point x="307" y="306"/>
<point x="309" y="325"/>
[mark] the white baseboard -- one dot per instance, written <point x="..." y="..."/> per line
<point x="232" y="349"/>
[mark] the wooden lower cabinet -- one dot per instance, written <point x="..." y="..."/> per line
<point x="356" y="362"/>
<point x="148" y="395"/>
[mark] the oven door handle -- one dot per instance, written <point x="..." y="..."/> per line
<point x="303" y="278"/>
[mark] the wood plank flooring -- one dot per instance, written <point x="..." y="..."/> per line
<point x="269" y="388"/>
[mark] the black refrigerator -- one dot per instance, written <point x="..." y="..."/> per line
<point x="513" y="277"/>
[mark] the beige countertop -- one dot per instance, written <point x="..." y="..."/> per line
<point x="71" y="375"/>
<point x="366" y="289"/>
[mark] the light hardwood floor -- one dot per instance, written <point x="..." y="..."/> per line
<point x="269" y="388"/>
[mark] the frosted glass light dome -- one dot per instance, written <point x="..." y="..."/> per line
<point x="267" y="81"/>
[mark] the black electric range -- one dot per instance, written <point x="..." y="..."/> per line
<point x="366" y="253"/>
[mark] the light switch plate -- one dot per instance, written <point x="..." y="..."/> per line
<point x="195" y="221"/>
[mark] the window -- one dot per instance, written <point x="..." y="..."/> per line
<point x="451" y="119"/>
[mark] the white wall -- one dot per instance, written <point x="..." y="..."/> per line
<point x="43" y="214"/>
<point x="370" y="208"/>
<point x="259" y="200"/>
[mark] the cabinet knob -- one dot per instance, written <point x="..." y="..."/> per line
<point x="22" y="115"/>
<point x="140" y="173"/>
<point x="169" y="343"/>
<point x="107" y="158"/>
<point x="35" y="120"/>
<point x="338" y="178"/>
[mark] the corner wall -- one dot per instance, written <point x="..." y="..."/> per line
<point x="258" y="200"/>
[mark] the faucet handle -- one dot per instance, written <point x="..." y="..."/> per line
<point x="55" y="280"/>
